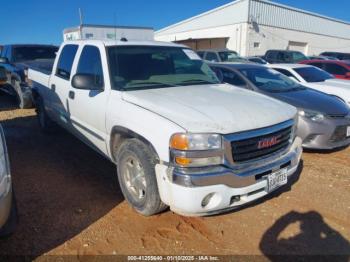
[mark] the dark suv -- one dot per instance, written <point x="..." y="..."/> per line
<point x="16" y="59"/>
<point x="338" y="55"/>
<point x="284" y="56"/>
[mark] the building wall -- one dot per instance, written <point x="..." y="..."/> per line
<point x="236" y="36"/>
<point x="267" y="37"/>
<point x="107" y="33"/>
<point x="281" y="16"/>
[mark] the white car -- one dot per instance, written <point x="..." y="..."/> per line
<point x="178" y="136"/>
<point x="316" y="78"/>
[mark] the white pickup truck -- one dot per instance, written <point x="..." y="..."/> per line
<point x="178" y="137"/>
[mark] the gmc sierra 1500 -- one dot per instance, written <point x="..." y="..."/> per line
<point x="179" y="138"/>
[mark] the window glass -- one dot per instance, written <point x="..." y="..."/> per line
<point x="319" y="65"/>
<point x="211" y="56"/>
<point x="270" y="80"/>
<point x="313" y="74"/>
<point x="145" y="67"/>
<point x="298" y="56"/>
<point x="284" y="71"/>
<point x="201" y="54"/>
<point x="64" y="66"/>
<point x="29" y="53"/>
<point x="230" y="77"/>
<point x="90" y="63"/>
<point x="231" y="56"/>
<point x="335" y="69"/>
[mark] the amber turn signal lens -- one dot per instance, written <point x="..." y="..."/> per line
<point x="183" y="161"/>
<point x="179" y="142"/>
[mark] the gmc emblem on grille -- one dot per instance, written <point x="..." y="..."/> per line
<point x="268" y="142"/>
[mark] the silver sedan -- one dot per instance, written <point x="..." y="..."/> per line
<point x="8" y="214"/>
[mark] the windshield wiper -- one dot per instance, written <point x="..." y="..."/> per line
<point x="150" y="84"/>
<point x="199" y="81"/>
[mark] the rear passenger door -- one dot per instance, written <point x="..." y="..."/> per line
<point x="88" y="107"/>
<point x="57" y="104"/>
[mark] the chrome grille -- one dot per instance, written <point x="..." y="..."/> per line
<point x="248" y="149"/>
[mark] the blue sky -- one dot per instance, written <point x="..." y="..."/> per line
<point x="42" y="21"/>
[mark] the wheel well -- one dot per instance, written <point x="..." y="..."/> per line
<point x="120" y="134"/>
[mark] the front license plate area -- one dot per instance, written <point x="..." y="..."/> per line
<point x="277" y="179"/>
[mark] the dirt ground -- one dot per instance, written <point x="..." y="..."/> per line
<point x="69" y="203"/>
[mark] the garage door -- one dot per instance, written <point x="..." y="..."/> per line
<point x="297" y="46"/>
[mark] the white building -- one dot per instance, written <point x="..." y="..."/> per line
<point x="105" y="32"/>
<point x="251" y="27"/>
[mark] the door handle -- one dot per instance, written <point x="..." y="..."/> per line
<point x="71" y="94"/>
<point x="53" y="87"/>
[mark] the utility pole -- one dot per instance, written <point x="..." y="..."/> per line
<point x="81" y="23"/>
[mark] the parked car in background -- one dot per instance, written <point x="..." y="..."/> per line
<point x="256" y="59"/>
<point x="322" y="57"/>
<point x="324" y="121"/>
<point x="8" y="208"/>
<point x="221" y="55"/>
<point x="339" y="55"/>
<point x="215" y="147"/>
<point x="284" y="56"/>
<point x="16" y="59"/>
<point x="339" y="69"/>
<point x="316" y="78"/>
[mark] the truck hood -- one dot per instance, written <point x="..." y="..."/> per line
<point x="314" y="100"/>
<point x="218" y="108"/>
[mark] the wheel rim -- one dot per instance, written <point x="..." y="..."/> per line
<point x="134" y="177"/>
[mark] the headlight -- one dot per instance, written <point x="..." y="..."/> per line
<point x="5" y="178"/>
<point x="314" y="116"/>
<point x="196" y="150"/>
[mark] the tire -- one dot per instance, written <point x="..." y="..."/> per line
<point x="9" y="228"/>
<point x="134" y="157"/>
<point x="23" y="101"/>
<point x="46" y="124"/>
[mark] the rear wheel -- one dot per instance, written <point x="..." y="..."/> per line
<point x="45" y="123"/>
<point x="137" y="178"/>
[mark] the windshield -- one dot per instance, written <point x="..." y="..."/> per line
<point x="145" y="67"/>
<point x="313" y="74"/>
<point x="29" y="53"/>
<point x="270" y="80"/>
<point x="298" y="56"/>
<point x="230" y="56"/>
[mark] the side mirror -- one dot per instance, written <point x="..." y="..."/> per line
<point x="4" y="60"/>
<point x="87" y="82"/>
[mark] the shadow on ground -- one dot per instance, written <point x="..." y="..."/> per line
<point x="7" y="102"/>
<point x="62" y="187"/>
<point x="315" y="237"/>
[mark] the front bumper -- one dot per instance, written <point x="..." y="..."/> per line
<point x="184" y="193"/>
<point x="328" y="134"/>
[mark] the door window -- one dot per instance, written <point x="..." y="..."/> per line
<point x="65" y="62"/>
<point x="90" y="63"/>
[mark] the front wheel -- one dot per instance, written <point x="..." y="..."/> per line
<point x="137" y="178"/>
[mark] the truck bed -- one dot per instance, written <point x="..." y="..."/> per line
<point x="40" y="75"/>
<point x="44" y="65"/>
